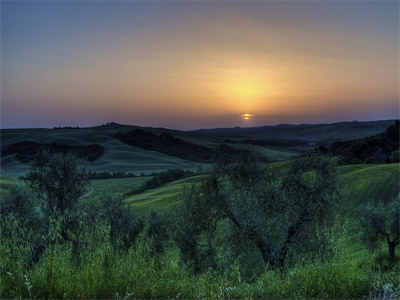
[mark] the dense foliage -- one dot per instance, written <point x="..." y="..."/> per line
<point x="273" y="212"/>
<point x="26" y="151"/>
<point x="109" y="175"/>
<point x="380" y="148"/>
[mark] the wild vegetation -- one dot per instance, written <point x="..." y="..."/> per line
<point x="243" y="228"/>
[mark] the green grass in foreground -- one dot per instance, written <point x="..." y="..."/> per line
<point x="109" y="274"/>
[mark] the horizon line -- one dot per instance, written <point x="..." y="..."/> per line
<point x="197" y="129"/>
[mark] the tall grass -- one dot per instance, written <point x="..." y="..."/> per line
<point x="106" y="272"/>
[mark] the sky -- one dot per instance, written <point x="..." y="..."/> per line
<point x="198" y="64"/>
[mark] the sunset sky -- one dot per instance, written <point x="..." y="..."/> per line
<point x="198" y="64"/>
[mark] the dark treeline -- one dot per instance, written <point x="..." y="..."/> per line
<point x="160" y="179"/>
<point x="109" y="175"/>
<point x="273" y="142"/>
<point x="380" y="148"/>
<point x="166" y="143"/>
<point x="65" y="127"/>
<point x="25" y="151"/>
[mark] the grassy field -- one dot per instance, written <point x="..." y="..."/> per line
<point x="161" y="197"/>
<point x="364" y="183"/>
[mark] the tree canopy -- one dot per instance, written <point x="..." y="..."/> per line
<point x="274" y="209"/>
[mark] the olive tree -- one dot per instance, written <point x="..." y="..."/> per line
<point x="59" y="181"/>
<point x="272" y="208"/>
<point x="380" y="222"/>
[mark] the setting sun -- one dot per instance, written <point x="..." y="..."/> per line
<point x="246" y="116"/>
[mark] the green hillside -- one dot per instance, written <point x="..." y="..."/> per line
<point x="364" y="183"/>
<point x="114" y="186"/>
<point x="117" y="156"/>
<point x="121" y="157"/>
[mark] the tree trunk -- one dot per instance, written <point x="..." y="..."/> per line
<point x="392" y="246"/>
<point x="274" y="259"/>
<point x="37" y="251"/>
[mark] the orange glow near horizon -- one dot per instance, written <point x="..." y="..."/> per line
<point x="198" y="65"/>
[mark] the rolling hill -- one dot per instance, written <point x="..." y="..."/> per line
<point x="174" y="148"/>
<point x="321" y="134"/>
<point x="117" y="156"/>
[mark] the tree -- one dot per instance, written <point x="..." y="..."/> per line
<point x="380" y="222"/>
<point x="59" y="180"/>
<point x="124" y="224"/>
<point x="273" y="208"/>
